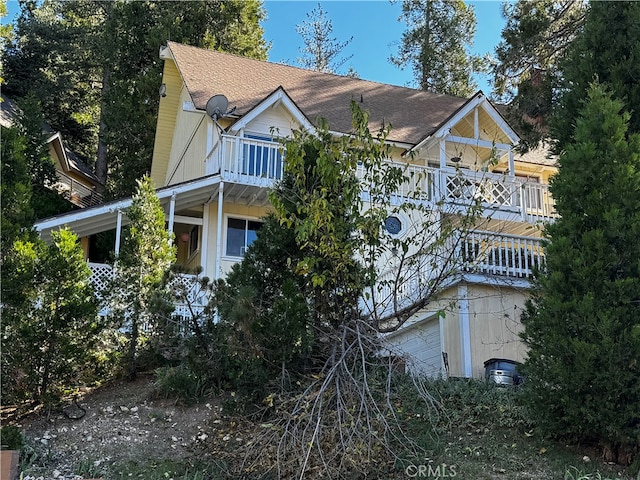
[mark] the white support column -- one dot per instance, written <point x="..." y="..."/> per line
<point x="172" y="213"/>
<point x="205" y="238"/>
<point x="441" y="180"/>
<point x="443" y="153"/>
<point x="512" y="163"/>
<point x="218" y="272"/>
<point x="118" y="232"/>
<point x="476" y="124"/>
<point x="465" y="331"/>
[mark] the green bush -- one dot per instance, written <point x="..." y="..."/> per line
<point x="181" y="383"/>
<point x="11" y="438"/>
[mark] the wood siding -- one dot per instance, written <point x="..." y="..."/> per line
<point x="166" y="123"/>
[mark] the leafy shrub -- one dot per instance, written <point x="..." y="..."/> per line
<point x="11" y="438"/>
<point x="179" y="382"/>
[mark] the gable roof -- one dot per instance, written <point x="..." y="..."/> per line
<point x="413" y="114"/>
<point x="69" y="161"/>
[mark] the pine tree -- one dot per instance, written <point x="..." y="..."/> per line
<point x="605" y="54"/>
<point x="320" y="50"/>
<point x="146" y="256"/>
<point x="49" y="317"/>
<point x="526" y="72"/>
<point x="95" y="67"/>
<point x="582" y="326"/>
<point x="435" y="45"/>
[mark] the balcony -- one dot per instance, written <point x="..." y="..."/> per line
<point x="480" y="252"/>
<point x="74" y="191"/>
<point x="255" y="162"/>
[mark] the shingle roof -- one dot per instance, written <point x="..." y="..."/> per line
<point x="413" y="114"/>
<point x="9" y="111"/>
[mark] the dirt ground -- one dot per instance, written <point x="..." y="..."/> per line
<point x="123" y="423"/>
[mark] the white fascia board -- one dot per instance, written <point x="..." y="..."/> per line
<point x="112" y="207"/>
<point x="421" y="319"/>
<point x="479" y="100"/>
<point x="279" y="96"/>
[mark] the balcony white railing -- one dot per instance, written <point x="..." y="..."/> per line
<point x="480" y="252"/>
<point x="259" y="163"/>
<point x="246" y="160"/>
<point x="510" y="255"/>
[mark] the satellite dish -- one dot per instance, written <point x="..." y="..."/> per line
<point x="217" y="106"/>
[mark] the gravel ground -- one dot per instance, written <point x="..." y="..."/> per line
<point x="122" y="424"/>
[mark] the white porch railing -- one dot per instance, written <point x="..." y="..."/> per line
<point x="510" y="255"/>
<point x="259" y="163"/>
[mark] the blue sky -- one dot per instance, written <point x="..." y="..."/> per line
<point x="376" y="34"/>
<point x="375" y="29"/>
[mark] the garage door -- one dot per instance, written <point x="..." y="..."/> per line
<point x="421" y="346"/>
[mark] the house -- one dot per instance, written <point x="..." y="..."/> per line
<point x="216" y="155"/>
<point x="76" y="182"/>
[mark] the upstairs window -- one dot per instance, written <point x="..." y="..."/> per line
<point x="240" y="234"/>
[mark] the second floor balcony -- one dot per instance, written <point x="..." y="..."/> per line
<point x="259" y="163"/>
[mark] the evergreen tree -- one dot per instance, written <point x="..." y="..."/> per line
<point x="320" y="50"/>
<point x="49" y="317"/>
<point x="146" y="256"/>
<point x="526" y="73"/>
<point x="582" y="326"/>
<point x="95" y="67"/>
<point x="607" y="51"/>
<point x="15" y="190"/>
<point x="436" y="45"/>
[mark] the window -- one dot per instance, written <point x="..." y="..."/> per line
<point x="262" y="160"/>
<point x="240" y="234"/>
<point x="193" y="240"/>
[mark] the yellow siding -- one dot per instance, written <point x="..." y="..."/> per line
<point x="186" y="161"/>
<point x="228" y="209"/>
<point x="167" y="112"/>
<point x="277" y="119"/>
<point x="495" y="324"/>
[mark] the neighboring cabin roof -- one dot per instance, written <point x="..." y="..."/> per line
<point x="9" y="111"/>
<point x="540" y="156"/>
<point x="413" y="114"/>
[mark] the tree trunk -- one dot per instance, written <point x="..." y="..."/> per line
<point x="101" y="157"/>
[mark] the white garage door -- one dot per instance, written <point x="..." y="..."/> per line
<point x="421" y="347"/>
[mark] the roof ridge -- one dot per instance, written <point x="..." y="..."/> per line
<point x="316" y="72"/>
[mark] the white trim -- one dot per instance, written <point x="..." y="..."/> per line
<point x="187" y="220"/>
<point x="465" y="331"/>
<point x="477" y="142"/>
<point x="479" y="100"/>
<point x="172" y="214"/>
<point x="443" y="369"/>
<point x="279" y="96"/>
<point x="205" y="238"/>
<point x="118" y="232"/>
